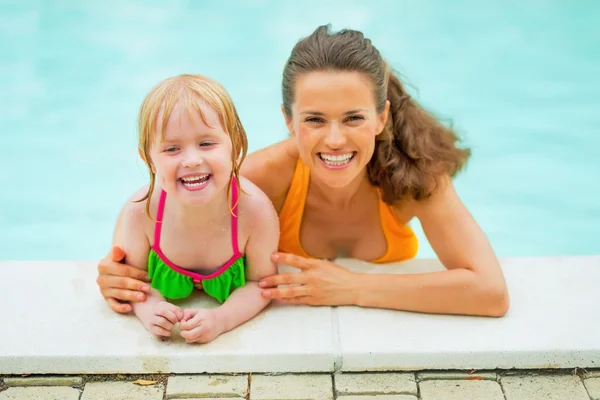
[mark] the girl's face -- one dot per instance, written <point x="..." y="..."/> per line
<point x="335" y="122"/>
<point x="193" y="162"/>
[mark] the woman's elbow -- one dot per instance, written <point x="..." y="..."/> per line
<point x="496" y="299"/>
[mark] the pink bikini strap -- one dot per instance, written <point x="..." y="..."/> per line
<point x="159" y="218"/>
<point x="234" y="217"/>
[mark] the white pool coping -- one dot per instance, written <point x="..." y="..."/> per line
<point x="54" y="321"/>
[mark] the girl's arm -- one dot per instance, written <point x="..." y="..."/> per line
<point x="204" y="325"/>
<point x="157" y="315"/>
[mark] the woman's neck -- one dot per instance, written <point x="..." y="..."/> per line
<point x="342" y="197"/>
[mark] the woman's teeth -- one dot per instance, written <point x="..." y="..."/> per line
<point x="338" y="160"/>
<point x="195" y="181"/>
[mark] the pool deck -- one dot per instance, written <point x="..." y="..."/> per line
<point x="56" y="323"/>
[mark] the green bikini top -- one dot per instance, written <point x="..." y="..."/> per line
<point x="174" y="282"/>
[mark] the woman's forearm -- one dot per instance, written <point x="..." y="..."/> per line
<point x="455" y="291"/>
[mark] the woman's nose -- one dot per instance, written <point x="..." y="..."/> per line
<point x="335" y="138"/>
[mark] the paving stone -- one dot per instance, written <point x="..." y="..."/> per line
<point x="121" y="391"/>
<point x="45" y="381"/>
<point x="185" y="386"/>
<point x="40" y="393"/>
<point x="456" y="375"/>
<point x="379" y="397"/>
<point x="544" y="387"/>
<point x="593" y="387"/>
<point x="292" y="387"/>
<point x="375" y="383"/>
<point x="460" y="390"/>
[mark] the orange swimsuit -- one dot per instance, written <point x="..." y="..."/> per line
<point x="402" y="243"/>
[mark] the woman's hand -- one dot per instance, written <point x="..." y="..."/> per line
<point x="120" y="282"/>
<point x="321" y="282"/>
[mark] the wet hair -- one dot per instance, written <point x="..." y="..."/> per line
<point x="190" y="92"/>
<point x="414" y="150"/>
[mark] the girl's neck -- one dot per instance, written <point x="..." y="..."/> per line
<point x="199" y="215"/>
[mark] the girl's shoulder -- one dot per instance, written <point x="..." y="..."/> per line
<point x="134" y="212"/>
<point x="254" y="205"/>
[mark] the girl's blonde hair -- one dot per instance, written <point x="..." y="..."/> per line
<point x="189" y="91"/>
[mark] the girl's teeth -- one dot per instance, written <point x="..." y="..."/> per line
<point x="195" y="181"/>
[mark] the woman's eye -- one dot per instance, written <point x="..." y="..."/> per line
<point x="314" y="120"/>
<point x="354" y="118"/>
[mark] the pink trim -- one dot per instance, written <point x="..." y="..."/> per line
<point x="159" y="218"/>
<point x="194" y="275"/>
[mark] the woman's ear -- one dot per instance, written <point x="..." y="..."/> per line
<point x="383" y="117"/>
<point x="288" y="121"/>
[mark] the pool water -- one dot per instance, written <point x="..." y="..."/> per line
<point x="518" y="80"/>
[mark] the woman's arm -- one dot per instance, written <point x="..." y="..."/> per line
<point x="119" y="281"/>
<point x="473" y="282"/>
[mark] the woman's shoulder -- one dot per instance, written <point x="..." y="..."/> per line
<point x="271" y="169"/>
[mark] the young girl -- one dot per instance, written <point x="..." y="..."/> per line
<point x="198" y="224"/>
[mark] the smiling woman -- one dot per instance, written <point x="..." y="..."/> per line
<point x="363" y="160"/>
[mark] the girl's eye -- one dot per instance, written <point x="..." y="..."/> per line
<point x="170" y="149"/>
<point x="206" y="144"/>
<point x="314" y="120"/>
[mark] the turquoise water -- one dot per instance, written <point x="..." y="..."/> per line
<point x="519" y="80"/>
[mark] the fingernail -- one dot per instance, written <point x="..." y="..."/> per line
<point x="266" y="293"/>
<point x="145" y="288"/>
<point x="140" y="297"/>
<point x="275" y="257"/>
<point x="262" y="283"/>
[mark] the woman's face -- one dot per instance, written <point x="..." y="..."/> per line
<point x="335" y="122"/>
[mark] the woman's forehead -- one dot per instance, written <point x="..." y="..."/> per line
<point x="333" y="90"/>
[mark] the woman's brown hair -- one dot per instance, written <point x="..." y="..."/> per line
<point x="415" y="149"/>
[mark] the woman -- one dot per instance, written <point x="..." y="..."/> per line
<point x="363" y="160"/>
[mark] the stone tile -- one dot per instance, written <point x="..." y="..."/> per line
<point x="375" y="383"/>
<point x="44" y="381"/>
<point x="40" y="393"/>
<point x="593" y="387"/>
<point x="460" y="390"/>
<point x="544" y="387"/>
<point x="591" y="374"/>
<point x="292" y="387"/>
<point x="564" y="337"/>
<point x="379" y="397"/>
<point x="282" y="338"/>
<point x="121" y="391"/>
<point x="456" y="375"/>
<point x="207" y="385"/>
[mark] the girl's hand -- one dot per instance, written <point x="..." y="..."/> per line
<point x="201" y="325"/>
<point x="321" y="282"/>
<point x="162" y="320"/>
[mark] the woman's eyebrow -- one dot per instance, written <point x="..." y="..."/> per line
<point x="357" y="110"/>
